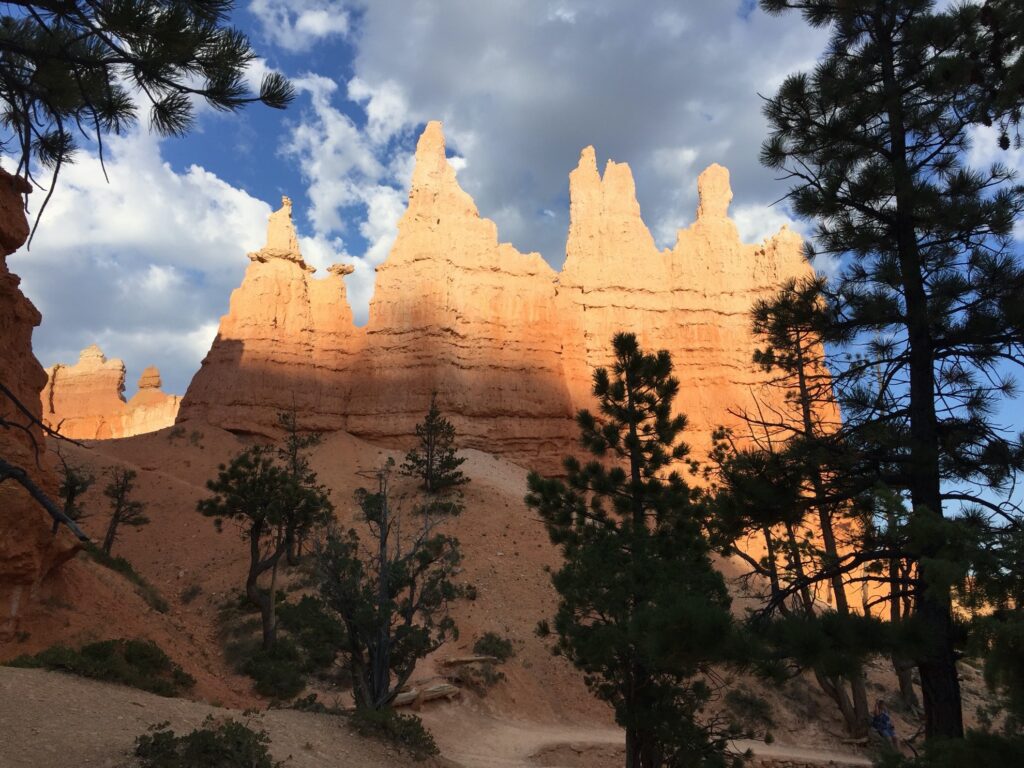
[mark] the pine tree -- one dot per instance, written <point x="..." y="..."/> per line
<point x="76" y="68"/>
<point x="293" y="456"/>
<point x="124" y="510"/>
<point x="926" y="309"/>
<point x="641" y="610"/>
<point x="435" y="462"/>
<point x="271" y="508"/>
<point x="391" y="591"/>
<point x="786" y="485"/>
<point x="74" y="482"/>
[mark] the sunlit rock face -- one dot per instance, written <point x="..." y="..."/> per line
<point x="85" y="401"/>
<point x="28" y="549"/>
<point x="287" y="342"/>
<point x="693" y="300"/>
<point x="506" y="343"/>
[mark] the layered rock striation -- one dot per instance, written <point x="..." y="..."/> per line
<point x="85" y="401"/>
<point x="28" y="549"/>
<point x="506" y="342"/>
<point x="287" y="343"/>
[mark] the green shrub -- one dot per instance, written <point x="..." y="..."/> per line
<point x="749" y="708"/>
<point x="137" y="663"/>
<point x="478" y="679"/>
<point x="278" y="672"/>
<point x="227" y="744"/>
<point x="318" y="633"/>
<point x="406" y="732"/>
<point x="311" y="703"/>
<point x="493" y="644"/>
<point x="191" y="593"/>
<point x="977" y="748"/>
<point x="120" y="565"/>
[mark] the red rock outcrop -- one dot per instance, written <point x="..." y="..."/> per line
<point x="458" y="313"/>
<point x="28" y="550"/>
<point x="287" y="342"/>
<point x="693" y="299"/>
<point x="85" y="401"/>
<point x="507" y="343"/>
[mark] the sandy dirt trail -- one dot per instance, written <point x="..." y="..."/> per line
<point x="477" y="740"/>
<point x="48" y="719"/>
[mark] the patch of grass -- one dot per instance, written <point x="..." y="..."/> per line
<point x="217" y="744"/>
<point x="191" y="593"/>
<point x="137" y="663"/>
<point x="406" y="732"/>
<point x="493" y="644"/>
<point x="122" y="566"/>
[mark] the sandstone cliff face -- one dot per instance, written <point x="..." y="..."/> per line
<point x="28" y="551"/>
<point x="86" y="401"/>
<point x="458" y="313"/>
<point x="693" y="300"/>
<point x="286" y="342"/>
<point x="507" y="343"/>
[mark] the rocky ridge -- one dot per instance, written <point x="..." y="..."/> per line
<point x="28" y="550"/>
<point x="506" y="342"/>
<point x="85" y="401"/>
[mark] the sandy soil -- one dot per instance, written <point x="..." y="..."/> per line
<point x="48" y="716"/>
<point x="506" y="553"/>
<point x="50" y="719"/>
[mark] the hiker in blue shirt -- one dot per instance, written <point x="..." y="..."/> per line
<point x="882" y="723"/>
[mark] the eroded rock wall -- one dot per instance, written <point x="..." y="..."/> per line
<point x="28" y="549"/>
<point x="507" y="343"/>
<point x="287" y="342"/>
<point x="694" y="299"/>
<point x="85" y="401"/>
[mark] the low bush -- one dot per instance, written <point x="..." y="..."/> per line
<point x="191" y="593"/>
<point x="278" y="672"/>
<point x="318" y="633"/>
<point x="978" y="748"/>
<point x="217" y="744"/>
<point x="493" y="644"/>
<point x="749" y="708"/>
<point x="406" y="732"/>
<point x="312" y="703"/>
<point x="307" y="642"/>
<point x="137" y="663"/>
<point x="478" y="679"/>
<point x="146" y="590"/>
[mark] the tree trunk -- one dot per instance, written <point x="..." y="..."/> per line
<point x="856" y="715"/>
<point x="252" y="590"/>
<point x="108" y="539"/>
<point x="940" y="686"/>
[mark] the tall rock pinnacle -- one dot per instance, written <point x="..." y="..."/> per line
<point x="713" y="192"/>
<point x="506" y="343"/>
<point x="282" y="242"/>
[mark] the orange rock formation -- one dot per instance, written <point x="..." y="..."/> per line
<point x="28" y="550"/>
<point x="507" y="343"/>
<point x="86" y="401"/>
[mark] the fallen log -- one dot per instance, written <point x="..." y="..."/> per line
<point x="460" y="660"/>
<point x="416" y="696"/>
